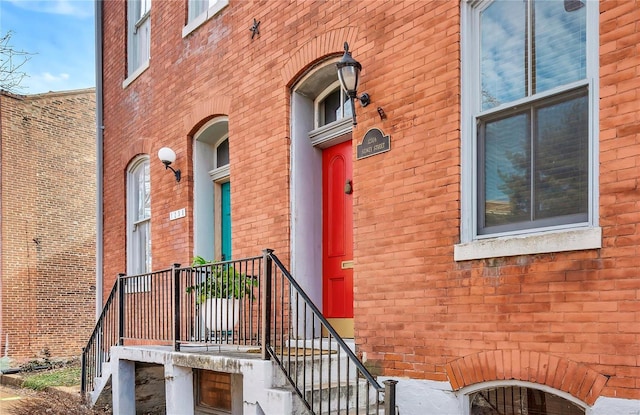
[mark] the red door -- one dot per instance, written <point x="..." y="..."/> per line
<point x="337" y="231"/>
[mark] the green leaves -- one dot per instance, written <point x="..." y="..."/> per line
<point x="219" y="280"/>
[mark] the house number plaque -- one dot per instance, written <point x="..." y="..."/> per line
<point x="374" y="142"/>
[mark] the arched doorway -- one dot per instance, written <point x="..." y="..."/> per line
<point x="212" y="191"/>
<point x="322" y="219"/>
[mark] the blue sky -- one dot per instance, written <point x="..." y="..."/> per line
<point x="60" y="35"/>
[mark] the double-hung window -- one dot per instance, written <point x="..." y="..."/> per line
<point x="139" y="218"/>
<point x="529" y="117"/>
<point x="138" y="36"/>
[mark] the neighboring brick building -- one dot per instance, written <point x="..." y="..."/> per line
<point x="47" y="170"/>
<point x="495" y="245"/>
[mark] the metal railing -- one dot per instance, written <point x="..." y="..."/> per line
<point x="98" y="348"/>
<point x="323" y="370"/>
<point x="249" y="302"/>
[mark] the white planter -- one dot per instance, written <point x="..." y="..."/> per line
<point x="220" y="314"/>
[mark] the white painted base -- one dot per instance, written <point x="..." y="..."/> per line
<point x="427" y="397"/>
<point x="260" y="393"/>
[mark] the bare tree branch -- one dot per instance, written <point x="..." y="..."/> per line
<point x="11" y="62"/>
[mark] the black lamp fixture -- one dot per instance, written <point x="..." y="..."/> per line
<point x="349" y="76"/>
<point x="168" y="156"/>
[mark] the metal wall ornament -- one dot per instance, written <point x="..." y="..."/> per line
<point x="255" y="29"/>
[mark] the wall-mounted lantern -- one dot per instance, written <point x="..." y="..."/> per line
<point x="168" y="156"/>
<point x="349" y="76"/>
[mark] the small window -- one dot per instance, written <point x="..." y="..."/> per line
<point x="222" y="154"/>
<point x="332" y="105"/>
<point x="516" y="400"/>
<point x="213" y="392"/>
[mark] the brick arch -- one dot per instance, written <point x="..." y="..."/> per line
<point x="325" y="44"/>
<point x="203" y="110"/>
<point x="562" y="374"/>
<point x="134" y="148"/>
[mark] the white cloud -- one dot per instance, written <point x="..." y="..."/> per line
<point x="76" y="8"/>
<point x="46" y="76"/>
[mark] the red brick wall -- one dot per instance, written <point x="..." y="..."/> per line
<point x="48" y="223"/>
<point x="416" y="309"/>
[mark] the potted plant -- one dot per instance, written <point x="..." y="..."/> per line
<point x="218" y="290"/>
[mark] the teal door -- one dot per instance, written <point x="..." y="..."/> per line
<point x="225" y="237"/>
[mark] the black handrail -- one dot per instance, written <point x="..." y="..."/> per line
<point x="97" y="350"/>
<point x="326" y="324"/>
<point x="336" y="379"/>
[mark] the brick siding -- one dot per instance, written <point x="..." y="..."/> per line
<point x="48" y="223"/>
<point x="416" y="310"/>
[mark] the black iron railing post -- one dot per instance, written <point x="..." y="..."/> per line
<point x="177" y="292"/>
<point x="390" y="396"/>
<point x="121" y="289"/>
<point x="267" y="263"/>
<point x="83" y="373"/>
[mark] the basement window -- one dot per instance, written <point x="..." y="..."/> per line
<point x="213" y="392"/>
<point x="518" y="400"/>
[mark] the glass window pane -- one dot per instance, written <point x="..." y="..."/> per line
<point x="141" y="248"/>
<point x="142" y="191"/>
<point x="503" y="52"/>
<point x="222" y="154"/>
<point x="562" y="159"/>
<point x="559" y="47"/>
<point x="331" y="108"/>
<point x="197" y="7"/>
<point x="507" y="172"/>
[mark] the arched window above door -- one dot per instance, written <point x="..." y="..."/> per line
<point x="332" y="105"/>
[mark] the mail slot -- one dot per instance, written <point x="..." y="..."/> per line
<point x="347" y="264"/>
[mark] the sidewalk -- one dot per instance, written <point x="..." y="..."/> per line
<point x="9" y="395"/>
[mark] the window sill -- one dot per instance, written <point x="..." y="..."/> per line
<point x="135" y="74"/>
<point x="538" y="243"/>
<point x="325" y="136"/>
<point x="203" y="17"/>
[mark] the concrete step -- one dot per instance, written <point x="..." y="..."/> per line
<point x="328" y="398"/>
<point x="313" y="369"/>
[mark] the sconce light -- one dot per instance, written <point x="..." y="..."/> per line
<point x="349" y="76"/>
<point x="168" y="156"/>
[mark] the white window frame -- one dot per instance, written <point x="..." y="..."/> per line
<point x="559" y="238"/>
<point x="323" y="136"/>
<point x="133" y="256"/>
<point x="138" y="39"/>
<point x="215" y="6"/>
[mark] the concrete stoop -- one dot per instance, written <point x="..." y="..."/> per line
<point x="264" y="389"/>
<point x="328" y="387"/>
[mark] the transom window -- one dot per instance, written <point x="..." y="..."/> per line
<point x="517" y="400"/>
<point x="332" y="105"/>
<point x="530" y="101"/>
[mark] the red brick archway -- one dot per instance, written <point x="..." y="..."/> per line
<point x="571" y="377"/>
